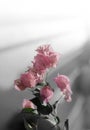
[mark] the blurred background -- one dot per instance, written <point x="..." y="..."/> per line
<point x="26" y="24"/>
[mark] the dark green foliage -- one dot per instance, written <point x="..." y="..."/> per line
<point x="27" y="125"/>
<point x="45" y="110"/>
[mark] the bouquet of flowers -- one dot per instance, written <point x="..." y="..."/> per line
<point x="35" y="79"/>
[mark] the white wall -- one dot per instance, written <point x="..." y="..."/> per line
<point x="24" y="25"/>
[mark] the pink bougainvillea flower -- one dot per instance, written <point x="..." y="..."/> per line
<point x="27" y="104"/>
<point x="41" y="63"/>
<point x="38" y="77"/>
<point x="63" y="83"/>
<point x="46" y="93"/>
<point x="28" y="79"/>
<point x="54" y="58"/>
<point x="46" y="57"/>
<point x="45" y="49"/>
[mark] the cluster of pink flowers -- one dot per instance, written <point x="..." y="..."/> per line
<point x="45" y="59"/>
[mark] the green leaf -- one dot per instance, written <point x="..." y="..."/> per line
<point x="37" y="89"/>
<point x="41" y="84"/>
<point x="37" y="94"/>
<point x="45" y="110"/>
<point x="27" y="125"/>
<point x="57" y="120"/>
<point x="55" y="104"/>
<point x="29" y="110"/>
<point x="36" y="101"/>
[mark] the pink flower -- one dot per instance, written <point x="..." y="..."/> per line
<point x="49" y="54"/>
<point x="63" y="83"/>
<point x="27" y="104"/>
<point x="46" y="93"/>
<point x="41" y="63"/>
<point x="45" y="49"/>
<point x="27" y="80"/>
<point x="54" y="58"/>
<point x="38" y="77"/>
<point x="45" y="59"/>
